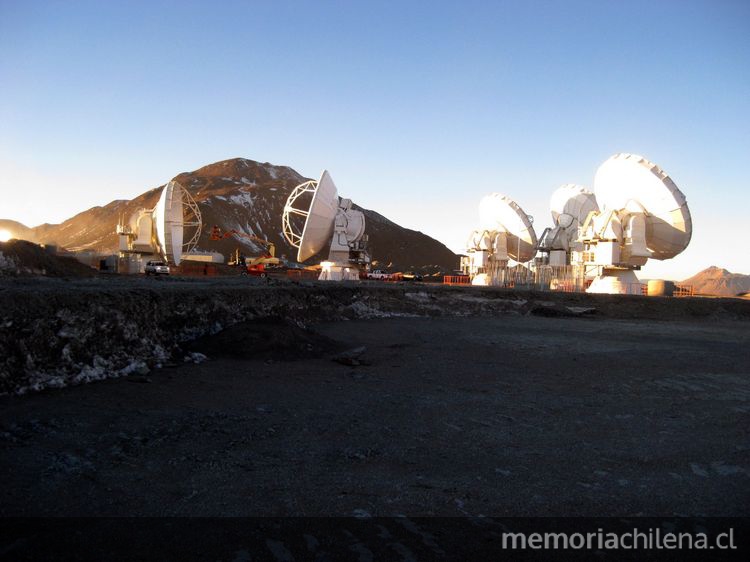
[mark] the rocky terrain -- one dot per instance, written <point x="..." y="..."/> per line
<point x="719" y="282"/>
<point x="390" y="406"/>
<point x="55" y="333"/>
<point x="232" y="397"/>
<point x="247" y="196"/>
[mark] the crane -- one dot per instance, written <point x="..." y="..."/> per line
<point x="269" y="258"/>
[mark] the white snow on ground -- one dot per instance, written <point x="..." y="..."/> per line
<point x="273" y="173"/>
<point x="246" y="181"/>
<point x="243" y="198"/>
<point x="195" y="357"/>
<point x="363" y="310"/>
<point x="99" y="370"/>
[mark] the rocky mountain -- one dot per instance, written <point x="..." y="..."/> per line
<point x="246" y="196"/>
<point x="720" y="282"/>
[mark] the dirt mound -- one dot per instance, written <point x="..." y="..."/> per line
<point x="19" y="257"/>
<point x="265" y="338"/>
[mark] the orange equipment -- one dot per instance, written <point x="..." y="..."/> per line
<point x="217" y="234"/>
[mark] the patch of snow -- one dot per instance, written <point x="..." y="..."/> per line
<point x="362" y="310"/>
<point x="243" y="198"/>
<point x="99" y="369"/>
<point x="195" y="357"/>
<point x="420" y="296"/>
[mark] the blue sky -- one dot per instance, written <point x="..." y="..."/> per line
<point x="418" y="109"/>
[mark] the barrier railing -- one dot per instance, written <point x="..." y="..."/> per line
<point x="456" y="280"/>
<point x="683" y="291"/>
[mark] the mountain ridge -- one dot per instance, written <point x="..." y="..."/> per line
<point x="247" y="196"/>
<point x="718" y="281"/>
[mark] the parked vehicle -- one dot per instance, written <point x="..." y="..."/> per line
<point x="379" y="275"/>
<point x="156" y="268"/>
<point x="411" y="276"/>
<point x="255" y="270"/>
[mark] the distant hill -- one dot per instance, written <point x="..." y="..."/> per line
<point x="20" y="231"/>
<point x="720" y="282"/>
<point x="247" y="196"/>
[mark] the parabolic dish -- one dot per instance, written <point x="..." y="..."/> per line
<point x="320" y="216"/>
<point x="628" y="179"/>
<point x="500" y="213"/>
<point x="168" y="222"/>
<point x="571" y="204"/>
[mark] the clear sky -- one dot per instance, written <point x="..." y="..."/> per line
<point x="418" y="109"/>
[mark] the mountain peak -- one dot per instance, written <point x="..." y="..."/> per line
<point x="715" y="271"/>
<point x="237" y="168"/>
<point x="237" y="175"/>
<point x="247" y="197"/>
<point x="718" y="281"/>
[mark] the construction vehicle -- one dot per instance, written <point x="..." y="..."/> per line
<point x="254" y="265"/>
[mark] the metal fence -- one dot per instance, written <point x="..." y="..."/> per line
<point x="566" y="279"/>
<point x="456" y="280"/>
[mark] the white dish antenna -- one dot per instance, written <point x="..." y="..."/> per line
<point x="630" y="184"/>
<point x="317" y="202"/>
<point x="642" y="215"/>
<point x="570" y="204"/>
<point x="501" y="214"/>
<point x="314" y="216"/>
<point x="163" y="229"/>
<point x="175" y="211"/>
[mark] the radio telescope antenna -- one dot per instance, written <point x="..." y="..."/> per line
<point x="643" y="215"/>
<point x="315" y="217"/>
<point x="162" y="230"/>
<point x="175" y="211"/>
<point x="570" y="205"/>
<point x="505" y="232"/>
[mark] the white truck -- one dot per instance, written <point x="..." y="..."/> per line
<point x="156" y="268"/>
<point x="379" y="274"/>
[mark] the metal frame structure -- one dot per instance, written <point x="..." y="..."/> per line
<point x="287" y="226"/>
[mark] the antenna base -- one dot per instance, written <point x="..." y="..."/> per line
<point x="616" y="282"/>
<point x="331" y="271"/>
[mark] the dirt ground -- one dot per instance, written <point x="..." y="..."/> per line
<point x="503" y="416"/>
